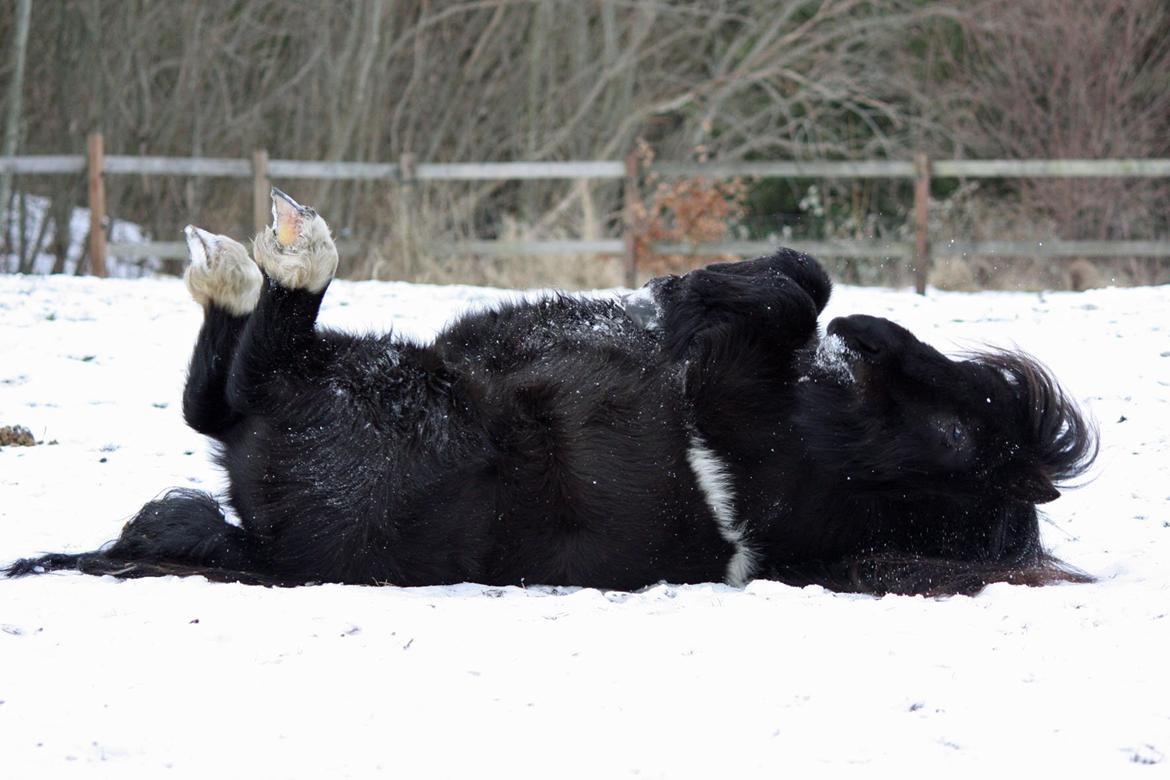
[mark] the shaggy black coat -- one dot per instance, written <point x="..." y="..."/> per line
<point x="699" y="430"/>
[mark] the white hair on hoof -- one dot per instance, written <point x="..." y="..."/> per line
<point x="220" y="272"/>
<point x="296" y="251"/>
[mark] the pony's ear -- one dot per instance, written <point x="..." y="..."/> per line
<point x="1035" y="488"/>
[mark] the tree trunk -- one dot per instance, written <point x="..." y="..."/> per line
<point x="15" y="94"/>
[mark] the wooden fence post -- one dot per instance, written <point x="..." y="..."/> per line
<point x="921" y="238"/>
<point x="97" y="205"/>
<point x="631" y="199"/>
<point x="261" y="190"/>
<point x="406" y="179"/>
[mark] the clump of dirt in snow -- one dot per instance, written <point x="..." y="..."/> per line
<point x="16" y="436"/>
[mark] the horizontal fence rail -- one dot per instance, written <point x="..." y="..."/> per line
<point x="1056" y="248"/>
<point x="259" y="168"/>
<point x="43" y="164"/>
<point x="497" y="248"/>
<point x="614" y="247"/>
<point x="1052" y="169"/>
<point x="762" y="169"/>
<point x="870" y="249"/>
<point x="177" y="250"/>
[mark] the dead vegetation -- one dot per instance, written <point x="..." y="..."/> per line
<point x="16" y="436"/>
<point x="689" y="210"/>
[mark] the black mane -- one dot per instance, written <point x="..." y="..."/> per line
<point x="1061" y="444"/>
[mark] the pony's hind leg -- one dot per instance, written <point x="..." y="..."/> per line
<point x="298" y="258"/>
<point x="226" y="283"/>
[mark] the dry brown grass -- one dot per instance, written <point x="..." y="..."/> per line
<point x="423" y="255"/>
<point x="975" y="214"/>
<point x="953" y="274"/>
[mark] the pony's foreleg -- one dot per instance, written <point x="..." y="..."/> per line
<point x="770" y="304"/>
<point x="226" y="283"/>
<point x="298" y="258"/>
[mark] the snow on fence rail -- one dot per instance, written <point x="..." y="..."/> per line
<point x="406" y="171"/>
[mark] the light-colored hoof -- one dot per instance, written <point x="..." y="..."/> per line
<point x="221" y="272"/>
<point x="296" y="251"/>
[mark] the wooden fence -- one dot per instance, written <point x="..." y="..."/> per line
<point x="406" y="171"/>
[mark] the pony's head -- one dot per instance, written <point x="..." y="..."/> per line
<point x="990" y="425"/>
<point x="944" y="460"/>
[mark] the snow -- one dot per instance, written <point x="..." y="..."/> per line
<point x="833" y="357"/>
<point x="643" y="307"/>
<point x="131" y="679"/>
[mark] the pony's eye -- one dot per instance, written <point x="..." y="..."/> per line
<point x="954" y="435"/>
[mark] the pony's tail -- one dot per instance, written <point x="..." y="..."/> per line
<point x="183" y="533"/>
<point x="897" y="573"/>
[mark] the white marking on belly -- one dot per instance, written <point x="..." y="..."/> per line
<point x="715" y="482"/>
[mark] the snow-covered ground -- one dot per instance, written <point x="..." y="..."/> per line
<point x="179" y="677"/>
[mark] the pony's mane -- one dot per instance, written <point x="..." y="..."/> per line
<point x="1059" y="439"/>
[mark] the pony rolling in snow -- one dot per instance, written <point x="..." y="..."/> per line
<point x="697" y="430"/>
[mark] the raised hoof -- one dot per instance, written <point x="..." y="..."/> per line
<point x="220" y="272"/>
<point x="296" y="251"/>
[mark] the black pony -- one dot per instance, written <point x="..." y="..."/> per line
<point x="698" y="430"/>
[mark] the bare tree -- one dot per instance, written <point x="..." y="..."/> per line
<point x="1073" y="79"/>
<point x="463" y="80"/>
<point x="15" y="97"/>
